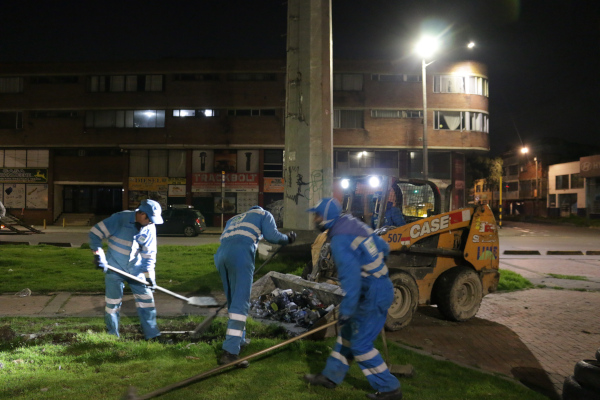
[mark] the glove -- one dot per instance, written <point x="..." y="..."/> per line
<point x="343" y="320"/>
<point x="151" y="283"/>
<point x="100" y="260"/>
<point x="291" y="237"/>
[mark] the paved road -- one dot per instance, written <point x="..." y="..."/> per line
<point x="534" y="336"/>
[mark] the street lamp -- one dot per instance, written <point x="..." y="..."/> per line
<point x="426" y="47"/>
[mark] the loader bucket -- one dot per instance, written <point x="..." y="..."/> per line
<point x="326" y="292"/>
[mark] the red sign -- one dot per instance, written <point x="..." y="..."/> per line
<point x="234" y="182"/>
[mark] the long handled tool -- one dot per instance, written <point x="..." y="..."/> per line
<point x="206" y="323"/>
<point x="194" y="301"/>
<point x="131" y="393"/>
<point x="399" y="370"/>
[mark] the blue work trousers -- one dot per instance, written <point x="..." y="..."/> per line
<point x="144" y="302"/>
<point x="235" y="264"/>
<point x="355" y="341"/>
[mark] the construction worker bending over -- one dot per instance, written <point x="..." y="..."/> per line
<point x="235" y="262"/>
<point x="359" y="256"/>
<point x="131" y="237"/>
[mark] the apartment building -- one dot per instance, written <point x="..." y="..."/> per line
<point x="100" y="137"/>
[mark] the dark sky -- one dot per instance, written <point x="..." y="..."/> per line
<point x="543" y="56"/>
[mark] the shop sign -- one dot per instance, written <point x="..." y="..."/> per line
<point x="234" y="182"/>
<point x="158" y="184"/>
<point x="274" y="185"/>
<point x="23" y="175"/>
<point x="589" y="166"/>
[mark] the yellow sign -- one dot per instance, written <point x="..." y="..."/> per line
<point x="158" y="184"/>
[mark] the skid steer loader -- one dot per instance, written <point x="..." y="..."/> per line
<point x="449" y="258"/>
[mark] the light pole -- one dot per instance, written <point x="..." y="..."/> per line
<point x="426" y="47"/>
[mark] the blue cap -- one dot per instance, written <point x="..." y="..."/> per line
<point x="328" y="208"/>
<point x="152" y="209"/>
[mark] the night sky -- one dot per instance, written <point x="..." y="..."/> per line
<point x="543" y="56"/>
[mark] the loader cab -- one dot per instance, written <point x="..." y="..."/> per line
<point x="367" y="198"/>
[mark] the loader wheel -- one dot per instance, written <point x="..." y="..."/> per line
<point x="189" y="231"/>
<point x="572" y="390"/>
<point x="587" y="374"/>
<point x="459" y="294"/>
<point x="406" y="300"/>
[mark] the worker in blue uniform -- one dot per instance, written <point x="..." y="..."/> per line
<point x="393" y="216"/>
<point x="235" y="262"/>
<point x="131" y="237"/>
<point x="359" y="256"/>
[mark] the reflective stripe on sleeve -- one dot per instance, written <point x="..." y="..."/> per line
<point x="356" y="242"/>
<point x="119" y="249"/>
<point x="241" y="233"/>
<point x="103" y="228"/>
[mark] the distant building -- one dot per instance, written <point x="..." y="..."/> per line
<point x="100" y="137"/>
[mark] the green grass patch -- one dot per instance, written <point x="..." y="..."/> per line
<point x="90" y="364"/>
<point x="570" y="277"/>
<point x="183" y="269"/>
<point x="511" y="281"/>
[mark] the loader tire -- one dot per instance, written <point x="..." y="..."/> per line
<point x="406" y="300"/>
<point x="572" y="390"/>
<point x="459" y="294"/>
<point x="587" y="374"/>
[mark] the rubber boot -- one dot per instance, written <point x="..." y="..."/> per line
<point x="392" y="395"/>
<point x="319" y="380"/>
<point x="227" y="358"/>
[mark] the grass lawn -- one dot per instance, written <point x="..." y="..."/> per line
<point x="74" y="359"/>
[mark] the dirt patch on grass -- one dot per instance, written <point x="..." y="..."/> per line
<point x="7" y="333"/>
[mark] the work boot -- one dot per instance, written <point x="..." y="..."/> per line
<point x="391" y="395"/>
<point x="319" y="380"/>
<point x="227" y="358"/>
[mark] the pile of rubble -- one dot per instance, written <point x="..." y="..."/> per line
<point x="302" y="308"/>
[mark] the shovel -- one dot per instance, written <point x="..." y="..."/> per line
<point x="398" y="370"/>
<point x="131" y="392"/>
<point x="194" y="301"/>
<point x="206" y="323"/>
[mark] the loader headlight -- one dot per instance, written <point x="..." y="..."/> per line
<point x="374" y="181"/>
<point x="345" y="183"/>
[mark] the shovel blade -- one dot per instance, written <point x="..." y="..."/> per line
<point x="203" y="301"/>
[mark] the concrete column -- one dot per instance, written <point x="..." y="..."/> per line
<point x="309" y="107"/>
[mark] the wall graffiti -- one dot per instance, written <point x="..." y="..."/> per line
<point x="295" y="180"/>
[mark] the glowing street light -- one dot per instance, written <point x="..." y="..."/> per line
<point x="524" y="150"/>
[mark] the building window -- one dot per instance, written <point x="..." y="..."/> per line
<point x="552" y="200"/>
<point x="576" y="181"/>
<point x="207" y="112"/>
<point x="55" y="114"/>
<point x="125" y="119"/>
<point x="386" y="159"/>
<point x="254" y="112"/>
<point x="513" y="170"/>
<point x="273" y="164"/>
<point x="196" y="77"/>
<point x="460" y="84"/>
<point x="54" y="79"/>
<point x="245" y="77"/>
<point x="396" y="78"/>
<point x="126" y="83"/>
<point x="461" y="121"/>
<point x="361" y="159"/>
<point x="352" y="82"/>
<point x="512" y="186"/>
<point x="11" y="120"/>
<point x="562" y="182"/>
<point x="11" y="85"/>
<point x="396" y="113"/>
<point x="348" y="119"/>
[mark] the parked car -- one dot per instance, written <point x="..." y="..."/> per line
<point x="181" y="220"/>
